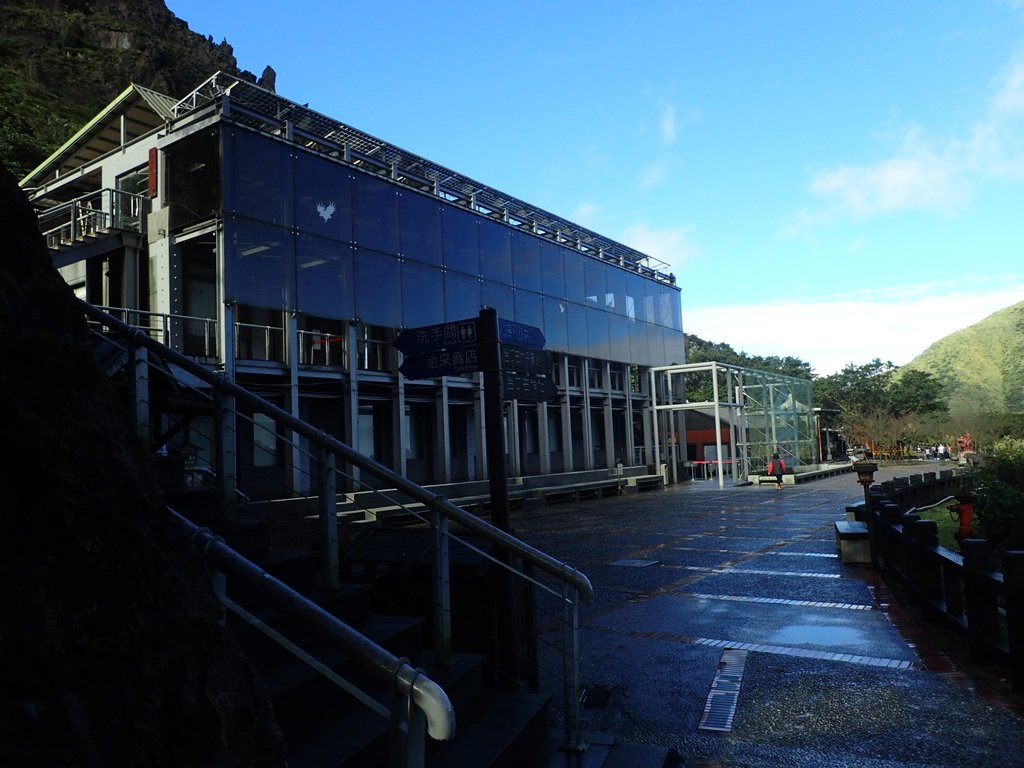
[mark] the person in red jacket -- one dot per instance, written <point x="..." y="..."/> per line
<point x="777" y="467"/>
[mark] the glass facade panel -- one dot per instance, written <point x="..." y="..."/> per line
<point x="597" y="333"/>
<point x="639" y="350"/>
<point x="552" y="270"/>
<point x="324" y="279"/>
<point x="668" y="314"/>
<point x="461" y="296"/>
<point x="575" y="289"/>
<point x="656" y="344"/>
<point x="576" y="327"/>
<point x="596" y="284"/>
<point x="323" y="197"/>
<point x="375" y="213"/>
<point x="420" y="221"/>
<point x="259" y="265"/>
<point x="529" y="308"/>
<point x="378" y="289"/>
<point x="555" y="325"/>
<point x="498" y="296"/>
<point x="635" y="290"/>
<point x="615" y="295"/>
<point x="526" y="270"/>
<point x="260" y="185"/>
<point x="342" y="259"/>
<point x="495" y="252"/>
<point x="618" y="338"/>
<point x="461" y="244"/>
<point x="422" y="295"/>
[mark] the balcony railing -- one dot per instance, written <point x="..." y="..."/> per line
<point x="92" y="215"/>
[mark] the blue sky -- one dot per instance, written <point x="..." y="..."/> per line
<point x="837" y="180"/>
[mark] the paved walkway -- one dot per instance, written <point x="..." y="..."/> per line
<point x="744" y="583"/>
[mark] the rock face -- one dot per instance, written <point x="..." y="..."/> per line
<point x="110" y="648"/>
<point x="61" y="61"/>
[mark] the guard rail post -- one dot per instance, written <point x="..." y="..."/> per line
<point x="1013" y="596"/>
<point x="982" y="600"/>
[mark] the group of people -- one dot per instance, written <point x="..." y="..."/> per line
<point x="939" y="451"/>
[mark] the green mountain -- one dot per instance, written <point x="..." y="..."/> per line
<point x="981" y="366"/>
<point x="62" y="62"/>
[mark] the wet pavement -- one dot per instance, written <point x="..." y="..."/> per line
<point x="726" y="626"/>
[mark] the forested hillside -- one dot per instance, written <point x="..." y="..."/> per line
<point x="981" y="367"/>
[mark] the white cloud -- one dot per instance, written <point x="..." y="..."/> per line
<point x="925" y="173"/>
<point x="586" y="214"/>
<point x="673" y="246"/>
<point x="895" y="325"/>
<point x="655" y="174"/>
<point x="667" y="123"/>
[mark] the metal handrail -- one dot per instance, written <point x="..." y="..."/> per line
<point x="576" y="585"/>
<point x="319" y="437"/>
<point x="158" y="324"/>
<point x="93" y="213"/>
<point x="408" y="681"/>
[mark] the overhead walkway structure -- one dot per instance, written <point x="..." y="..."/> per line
<point x="756" y="413"/>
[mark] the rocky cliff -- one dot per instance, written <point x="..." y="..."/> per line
<point x="61" y="61"/>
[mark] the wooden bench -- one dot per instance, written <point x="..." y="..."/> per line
<point x="853" y="542"/>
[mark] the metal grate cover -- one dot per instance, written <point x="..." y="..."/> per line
<point x="720" y="706"/>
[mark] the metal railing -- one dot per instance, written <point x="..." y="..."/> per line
<point x="420" y="706"/>
<point x="199" y="333"/>
<point x="327" y="458"/>
<point x="93" y="214"/>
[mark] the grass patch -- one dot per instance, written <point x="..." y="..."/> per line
<point x="947" y="523"/>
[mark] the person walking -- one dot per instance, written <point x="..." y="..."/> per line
<point x="777" y="467"/>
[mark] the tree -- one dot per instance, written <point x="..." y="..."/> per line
<point x="698" y="385"/>
<point x="879" y="408"/>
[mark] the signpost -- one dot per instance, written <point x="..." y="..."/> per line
<point x="456" y="360"/>
<point x="529" y="336"/>
<point x="512" y="359"/>
<point x="433" y="338"/>
<point x="514" y="364"/>
<point x="527" y="387"/>
<point x="525" y="360"/>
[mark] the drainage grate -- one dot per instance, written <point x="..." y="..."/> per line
<point x="720" y="707"/>
<point x="596" y="696"/>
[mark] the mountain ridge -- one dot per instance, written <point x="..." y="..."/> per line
<point x="981" y="366"/>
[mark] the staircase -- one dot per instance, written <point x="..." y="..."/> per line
<point x="368" y="633"/>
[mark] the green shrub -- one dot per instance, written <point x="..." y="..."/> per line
<point x="999" y="494"/>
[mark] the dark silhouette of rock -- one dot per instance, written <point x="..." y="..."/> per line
<point x="111" y="650"/>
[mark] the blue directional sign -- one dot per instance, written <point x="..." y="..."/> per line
<point x="458" y="359"/>
<point x="511" y="332"/>
<point x="433" y="338"/>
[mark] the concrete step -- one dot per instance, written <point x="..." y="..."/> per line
<point x="504" y="729"/>
<point x="603" y="750"/>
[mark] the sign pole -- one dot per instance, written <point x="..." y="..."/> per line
<point x="490" y="364"/>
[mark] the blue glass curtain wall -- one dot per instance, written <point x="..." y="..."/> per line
<point x="305" y="233"/>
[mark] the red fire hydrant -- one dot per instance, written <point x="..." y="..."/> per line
<point x="964" y="509"/>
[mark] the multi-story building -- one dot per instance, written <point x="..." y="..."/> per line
<point x="289" y="249"/>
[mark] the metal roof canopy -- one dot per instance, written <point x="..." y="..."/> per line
<point x="134" y="112"/>
<point x="744" y="396"/>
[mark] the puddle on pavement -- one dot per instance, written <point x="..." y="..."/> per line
<point x="813" y="634"/>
